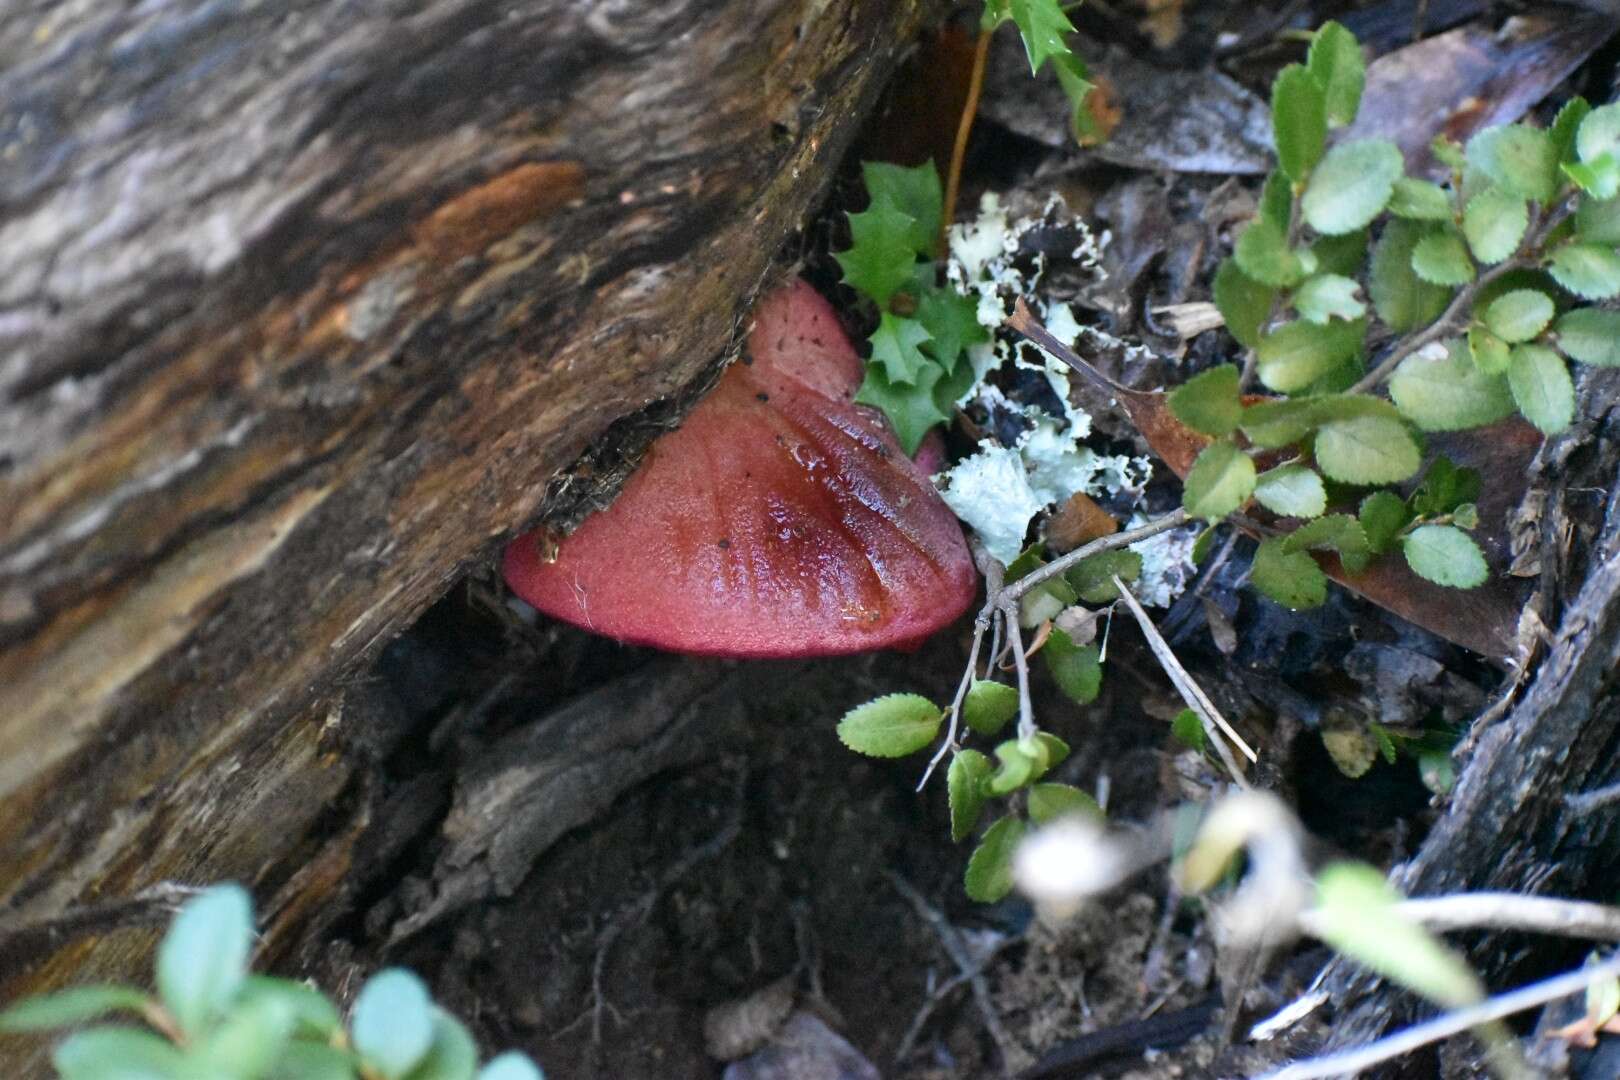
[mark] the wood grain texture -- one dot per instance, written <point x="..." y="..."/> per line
<point x="301" y="308"/>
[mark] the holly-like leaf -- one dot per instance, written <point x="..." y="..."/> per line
<point x="1093" y="577"/>
<point x="1048" y="802"/>
<point x="951" y="323"/>
<point x="1292" y="491"/>
<point x="1208" y="402"/>
<point x="989" y="705"/>
<point x="1446" y="556"/>
<point x="1590" y="336"/>
<point x="914" y="192"/>
<point x="1351" y="186"/>
<point x="896" y="345"/>
<point x="1541" y="386"/>
<point x="1517" y="158"/>
<point x="1338" y="533"/>
<point x="1419" y="200"/>
<point x="1382" y="515"/>
<point x="989" y="875"/>
<point x="1441" y="258"/>
<point x="912" y="409"/>
<point x="1297" y="355"/>
<point x="1336" y="63"/>
<point x="1292" y="579"/>
<point x="1494" y="222"/>
<point x="1519" y="315"/>
<point x="1262" y="252"/>
<point x="1242" y="301"/>
<point x="965" y="785"/>
<point x="1220" y="480"/>
<point x="1599" y="133"/>
<point x="1367" y="450"/>
<point x="1590" y="271"/>
<point x="1042" y="24"/>
<point x="1298" y="121"/>
<point x="881" y="259"/>
<point x="1402" y="300"/>
<point x="891" y="726"/>
<point x="1442" y="390"/>
<point x="1328" y="296"/>
<point x="1075" y="669"/>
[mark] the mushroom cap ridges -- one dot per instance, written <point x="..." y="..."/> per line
<point x="779" y="520"/>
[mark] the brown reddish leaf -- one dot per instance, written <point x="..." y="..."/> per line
<point x="1078" y="521"/>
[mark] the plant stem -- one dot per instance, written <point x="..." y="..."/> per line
<point x="1455" y="311"/>
<point x="1015" y="591"/>
<point x="970" y="110"/>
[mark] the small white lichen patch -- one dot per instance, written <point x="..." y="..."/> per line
<point x="1167" y="564"/>
<point x="991" y="492"/>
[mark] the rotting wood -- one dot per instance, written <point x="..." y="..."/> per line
<point x="301" y="309"/>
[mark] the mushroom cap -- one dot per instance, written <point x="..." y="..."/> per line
<point x="779" y="520"/>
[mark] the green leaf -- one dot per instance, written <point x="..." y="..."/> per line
<point x="1270" y="424"/>
<point x="989" y="871"/>
<point x="1517" y="158"/>
<point x="1296" y="355"/>
<point x="891" y="726"/>
<point x="1093" y="577"/>
<point x="895" y="345"/>
<point x="1566" y="124"/>
<point x="1445" y="487"/>
<point x="1590" y="271"/>
<point x="966" y="785"/>
<point x="1075" y="79"/>
<point x="1262" y="252"/>
<point x="204" y="956"/>
<point x="392" y="1022"/>
<point x="1382" y="516"/>
<point x="1335" y="62"/>
<point x="1328" y="296"/>
<point x="248" y="1041"/>
<point x="1590" y="336"/>
<point x="1292" y="491"/>
<point x="1402" y="300"/>
<point x="72" y="1006"/>
<point x="1541" y="386"/>
<point x="1209" y="402"/>
<point x="1441" y="258"/>
<point x="1203" y="545"/>
<point x="912" y="410"/>
<point x="951" y="323"/>
<point x="1351" y="185"/>
<point x="1489" y="353"/>
<point x="116" y="1053"/>
<point x="1467" y="516"/>
<point x="1018" y="767"/>
<point x="1075" y="669"/>
<point x="510" y="1066"/>
<point x="1494" y="223"/>
<point x="1342" y="254"/>
<point x="915" y="192"/>
<point x="1188" y="727"/>
<point x="1047" y="802"/>
<point x="1448" y="152"/>
<point x="1366" y="450"/>
<point x="1599" y="179"/>
<point x="1436" y="771"/>
<point x="989" y="705"/>
<point x="314" y="1013"/>
<point x="312" y="1061"/>
<point x="1599" y="133"/>
<point x="1339" y="533"/>
<point x="1243" y="302"/>
<point x="1442" y="390"/>
<point x="453" y="1055"/>
<point x="1419" y="200"/>
<point x="880" y="260"/>
<point x="1597" y="221"/>
<point x="1292" y="579"/>
<point x="1220" y="480"/>
<point x="1277" y="200"/>
<point x="1298" y="121"/>
<point x="1519" y="315"/>
<point x="1053" y="752"/>
<point x="1042" y="25"/>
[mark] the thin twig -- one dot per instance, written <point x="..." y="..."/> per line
<point x="970" y="109"/>
<point x="1446" y="1025"/>
<point x="962" y="688"/>
<point x="1508" y="911"/>
<point x="1015" y="590"/>
<point x="1015" y="637"/>
<point x="1585" y="802"/>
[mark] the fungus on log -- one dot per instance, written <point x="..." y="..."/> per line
<point x="781" y="519"/>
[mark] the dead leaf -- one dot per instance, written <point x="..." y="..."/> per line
<point x="1078" y="521"/>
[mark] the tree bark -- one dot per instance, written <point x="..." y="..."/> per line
<point x="302" y="307"/>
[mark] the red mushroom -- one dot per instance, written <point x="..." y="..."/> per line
<point x="779" y="520"/>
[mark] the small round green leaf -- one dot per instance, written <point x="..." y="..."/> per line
<point x="453" y="1055"/>
<point x="1018" y="766"/>
<point x="1262" y="253"/>
<point x="967" y="788"/>
<point x="204" y="956"/>
<point x="1599" y="133"/>
<point x="248" y="1041"/>
<point x="1590" y="271"/>
<point x="1292" y="579"/>
<point x="117" y="1053"/>
<point x="1420" y="200"/>
<point x="988" y="706"/>
<point x="1597" y="221"/>
<point x="1339" y="533"/>
<point x="1590" y="336"/>
<point x="1441" y="258"/>
<point x="989" y="871"/>
<point x="1402" y="299"/>
<point x="1296" y="355"/>
<point x="1243" y="302"/>
<point x="510" y="1066"/>
<point x="1208" y="402"/>
<point x="1298" y="121"/>
<point x="1343" y="254"/>
<point x="1517" y="158"/>
<point x="1292" y="491"/>
<point x="1367" y="450"/>
<point x="1336" y="63"/>
<point x="1442" y="390"/>
<point x="1519" y="315"/>
<point x="1494" y="223"/>
<point x="1351" y="185"/>
<point x="314" y="1013"/>
<point x="1600" y="179"/>
<point x="1188" y="728"/>
<point x="313" y="1061"/>
<point x="1445" y="555"/>
<point x="1093" y="576"/>
<point x="1329" y="296"/>
<point x="1539" y="379"/>
<point x="1050" y="801"/>
<point x="1076" y="669"/>
<point x="891" y="726"/>
<point x="1567" y="124"/>
<point x="1382" y="516"/>
<point x="73" y="1006"/>
<point x="1220" y="481"/>
<point x="392" y="1022"/>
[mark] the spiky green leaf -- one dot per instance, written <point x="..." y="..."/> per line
<point x="989" y="706"/>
